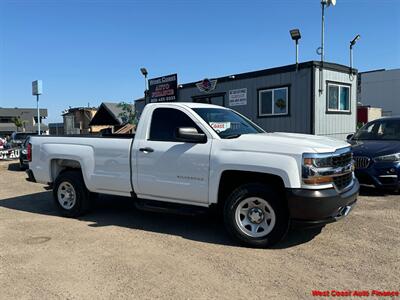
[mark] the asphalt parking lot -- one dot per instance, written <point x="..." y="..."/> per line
<point x="118" y="252"/>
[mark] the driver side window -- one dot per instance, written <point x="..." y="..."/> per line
<point x="165" y="123"/>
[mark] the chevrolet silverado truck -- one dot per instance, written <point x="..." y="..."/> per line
<point x="192" y="155"/>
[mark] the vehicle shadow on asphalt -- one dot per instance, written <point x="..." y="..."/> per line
<point x="14" y="167"/>
<point x="120" y="211"/>
<point x="371" y="191"/>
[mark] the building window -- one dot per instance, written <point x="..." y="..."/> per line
<point x="338" y="97"/>
<point x="273" y="102"/>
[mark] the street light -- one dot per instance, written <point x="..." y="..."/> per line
<point x="145" y="73"/>
<point x="295" y="34"/>
<point x="352" y="43"/>
<point x="321" y="50"/>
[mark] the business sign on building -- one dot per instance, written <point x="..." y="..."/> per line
<point x="238" y="97"/>
<point x="163" y="89"/>
<point x="207" y="85"/>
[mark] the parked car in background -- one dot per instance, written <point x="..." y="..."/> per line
<point x="18" y="138"/>
<point x="376" y="150"/>
<point x="23" y="156"/>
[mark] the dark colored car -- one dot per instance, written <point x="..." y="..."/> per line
<point x="18" y="138"/>
<point x="376" y="150"/>
<point x="23" y="158"/>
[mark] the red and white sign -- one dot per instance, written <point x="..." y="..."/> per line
<point x="220" y="126"/>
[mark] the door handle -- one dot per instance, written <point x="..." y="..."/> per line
<point x="146" y="150"/>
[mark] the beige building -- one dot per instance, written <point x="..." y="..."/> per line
<point x="77" y="120"/>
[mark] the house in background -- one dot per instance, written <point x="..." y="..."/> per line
<point x="108" y="118"/>
<point x="27" y="115"/>
<point x="380" y="88"/>
<point x="77" y="120"/>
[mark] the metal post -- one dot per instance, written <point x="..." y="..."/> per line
<point x="145" y="89"/>
<point x="38" y="113"/>
<point x="321" y="73"/>
<point x="297" y="55"/>
<point x="322" y="31"/>
<point x="351" y="58"/>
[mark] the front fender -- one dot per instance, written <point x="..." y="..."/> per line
<point x="282" y="165"/>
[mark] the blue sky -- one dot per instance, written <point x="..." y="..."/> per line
<point x="91" y="51"/>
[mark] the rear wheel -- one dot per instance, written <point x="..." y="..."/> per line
<point x="256" y="215"/>
<point x="70" y="194"/>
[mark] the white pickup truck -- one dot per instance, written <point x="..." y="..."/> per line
<point x="191" y="155"/>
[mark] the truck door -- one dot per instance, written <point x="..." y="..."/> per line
<point x="171" y="169"/>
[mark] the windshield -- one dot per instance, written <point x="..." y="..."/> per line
<point x="227" y="123"/>
<point x="379" y="130"/>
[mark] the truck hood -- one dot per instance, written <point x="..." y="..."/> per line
<point x="288" y="143"/>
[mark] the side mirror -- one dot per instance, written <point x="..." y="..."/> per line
<point x="190" y="135"/>
<point x="349" y="136"/>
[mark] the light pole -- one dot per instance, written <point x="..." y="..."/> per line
<point x="37" y="89"/>
<point x="352" y="43"/>
<point x="145" y="73"/>
<point x="321" y="49"/>
<point x="296" y="36"/>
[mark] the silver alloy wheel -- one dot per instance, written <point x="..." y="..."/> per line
<point x="66" y="195"/>
<point x="255" y="217"/>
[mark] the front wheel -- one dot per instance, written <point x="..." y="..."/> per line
<point x="256" y="215"/>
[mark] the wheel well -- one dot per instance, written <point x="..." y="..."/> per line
<point x="60" y="165"/>
<point x="233" y="179"/>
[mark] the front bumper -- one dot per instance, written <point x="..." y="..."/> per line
<point x="381" y="175"/>
<point x="318" y="207"/>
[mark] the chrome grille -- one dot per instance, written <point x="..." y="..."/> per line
<point x="343" y="181"/>
<point x="342" y="160"/>
<point x="361" y="162"/>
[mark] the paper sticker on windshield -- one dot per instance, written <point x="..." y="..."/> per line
<point x="220" y="126"/>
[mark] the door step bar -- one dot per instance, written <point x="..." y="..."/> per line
<point x="167" y="207"/>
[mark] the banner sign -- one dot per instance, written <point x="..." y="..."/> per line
<point x="163" y="89"/>
<point x="9" y="154"/>
<point x="238" y="97"/>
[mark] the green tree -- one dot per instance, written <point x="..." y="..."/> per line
<point x="19" y="123"/>
<point x="128" y="113"/>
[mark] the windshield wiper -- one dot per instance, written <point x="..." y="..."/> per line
<point x="232" y="136"/>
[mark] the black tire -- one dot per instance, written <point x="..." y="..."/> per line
<point x="82" y="200"/>
<point x="276" y="201"/>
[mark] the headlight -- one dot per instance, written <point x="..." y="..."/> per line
<point x="388" y="158"/>
<point x="323" y="168"/>
<point x="313" y="169"/>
